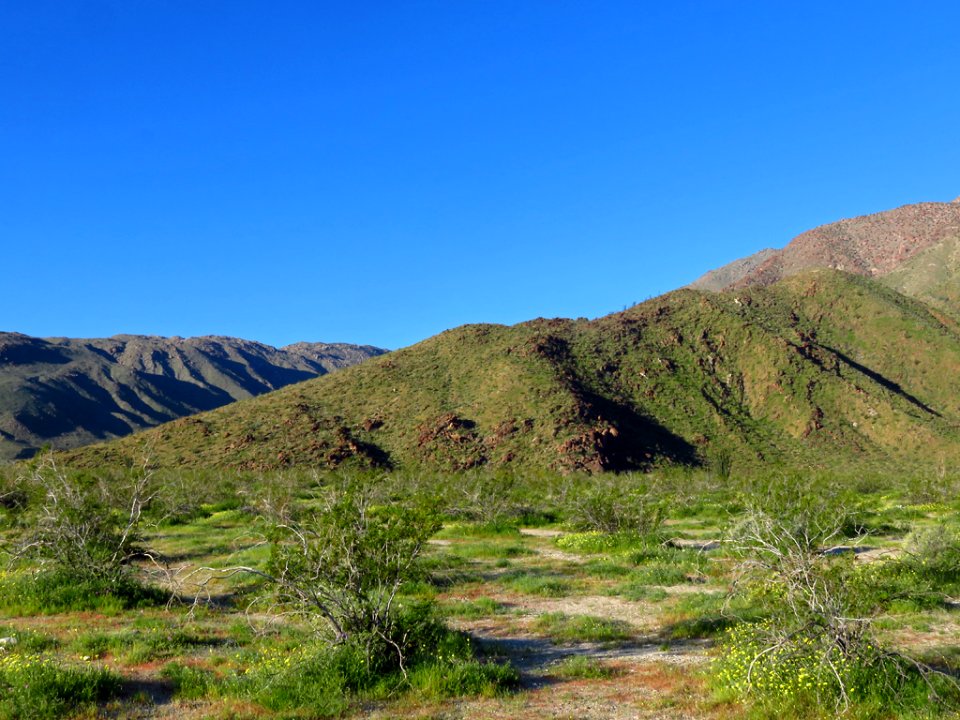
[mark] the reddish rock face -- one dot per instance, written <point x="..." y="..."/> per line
<point x="870" y="245"/>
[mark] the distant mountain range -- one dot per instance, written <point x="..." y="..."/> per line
<point x="67" y="392"/>
<point x="841" y="350"/>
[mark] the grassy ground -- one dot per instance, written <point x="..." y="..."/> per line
<point x="598" y="624"/>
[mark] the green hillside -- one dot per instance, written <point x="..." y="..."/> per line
<point x="821" y="368"/>
<point x="932" y="276"/>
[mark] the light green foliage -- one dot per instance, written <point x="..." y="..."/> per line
<point x="325" y="679"/>
<point x="593" y="542"/>
<point x="934" y="554"/>
<point x="190" y="683"/>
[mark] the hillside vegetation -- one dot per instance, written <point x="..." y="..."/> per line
<point x="822" y="368"/>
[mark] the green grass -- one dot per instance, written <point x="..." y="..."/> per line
<point x="49" y="592"/>
<point x="535" y="584"/>
<point x="41" y="688"/>
<point x="580" y="667"/>
<point x="564" y="628"/>
<point x="135" y="645"/>
<point x="473" y="609"/>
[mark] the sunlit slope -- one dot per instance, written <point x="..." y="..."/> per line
<point x="822" y="368"/>
<point x="932" y="276"/>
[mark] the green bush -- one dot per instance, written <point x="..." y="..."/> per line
<point x="812" y="677"/>
<point x="934" y="554"/>
<point x="324" y="680"/>
<point x="615" y="505"/>
<point x="816" y="649"/>
<point x="345" y="565"/>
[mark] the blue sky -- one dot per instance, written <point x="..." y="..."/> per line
<point x="378" y="172"/>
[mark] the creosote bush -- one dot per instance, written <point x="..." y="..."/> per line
<point x="816" y="648"/>
<point x="619" y="505"/>
<point x="75" y="540"/>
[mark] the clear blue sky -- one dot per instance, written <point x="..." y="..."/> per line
<point x="377" y="172"/>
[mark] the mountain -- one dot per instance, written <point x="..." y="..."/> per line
<point x="729" y="274"/>
<point x="66" y="392"/>
<point x="904" y="242"/>
<point x="823" y="367"/>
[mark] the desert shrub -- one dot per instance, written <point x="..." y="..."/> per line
<point x="34" y="686"/>
<point x="934" y="554"/>
<point x="491" y="499"/>
<point x="345" y="564"/>
<point x="85" y="526"/>
<point x="615" y="505"/>
<point x="810" y="675"/>
<point x="323" y="679"/>
<point x="817" y="647"/>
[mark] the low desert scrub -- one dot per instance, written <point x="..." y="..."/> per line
<point x="624" y="505"/>
<point x="74" y="545"/>
<point x="534" y="584"/>
<point x="817" y="647"/>
<point x="37" y="687"/>
<point x="320" y="679"/>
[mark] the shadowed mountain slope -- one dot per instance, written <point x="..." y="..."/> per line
<point x="69" y="392"/>
<point x="821" y="367"/>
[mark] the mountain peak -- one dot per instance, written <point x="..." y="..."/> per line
<point x="872" y="245"/>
